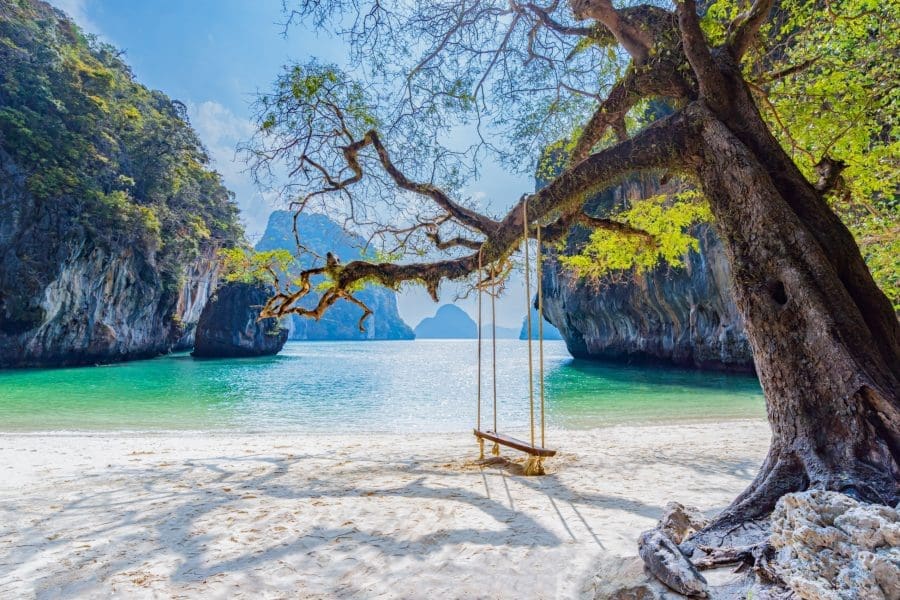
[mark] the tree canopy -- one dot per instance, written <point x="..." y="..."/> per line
<point x="543" y="85"/>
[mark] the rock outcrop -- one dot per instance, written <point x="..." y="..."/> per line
<point x="685" y="316"/>
<point x="550" y="331"/>
<point x="320" y="234"/>
<point x="626" y="579"/>
<point x="229" y="325"/>
<point x="831" y="547"/>
<point x="103" y="308"/>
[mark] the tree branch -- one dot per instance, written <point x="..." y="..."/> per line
<point x="594" y="33"/>
<point x="620" y="100"/>
<point x="463" y="215"/>
<point x="663" y="144"/>
<point x="710" y="80"/>
<point x="559" y="228"/>
<point x="455" y="242"/>
<point x="745" y="27"/>
<point x="635" y="41"/>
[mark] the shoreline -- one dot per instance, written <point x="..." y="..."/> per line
<point x="348" y="515"/>
<point x="555" y="431"/>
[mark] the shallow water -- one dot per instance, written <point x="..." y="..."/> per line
<point x="419" y="386"/>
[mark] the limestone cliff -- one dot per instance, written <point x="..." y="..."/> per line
<point x="102" y="307"/>
<point x="684" y="316"/>
<point x="110" y="215"/>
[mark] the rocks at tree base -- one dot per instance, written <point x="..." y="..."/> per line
<point x="665" y="560"/>
<point x="680" y="521"/>
<point x="550" y="331"/>
<point x="320" y="234"/>
<point x="229" y="325"/>
<point x="449" y="322"/>
<point x="626" y="579"/>
<point x="822" y="545"/>
<point x="685" y="316"/>
<point x="831" y="547"/>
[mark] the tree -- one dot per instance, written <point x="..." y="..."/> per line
<point x="825" y="338"/>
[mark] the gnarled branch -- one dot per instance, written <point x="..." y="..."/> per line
<point x="661" y="145"/>
<point x="623" y="96"/>
<point x="465" y="216"/>
<point x="636" y="41"/>
<point x="696" y="49"/>
<point x="561" y="226"/>
<point x="745" y="27"/>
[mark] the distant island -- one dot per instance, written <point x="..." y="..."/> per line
<point x="452" y="322"/>
<point x="320" y="234"/>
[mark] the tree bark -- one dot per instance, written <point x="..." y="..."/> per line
<point x="824" y="361"/>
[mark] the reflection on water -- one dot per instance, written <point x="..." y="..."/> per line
<point x="425" y="385"/>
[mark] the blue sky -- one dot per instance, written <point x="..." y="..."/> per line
<point x="214" y="55"/>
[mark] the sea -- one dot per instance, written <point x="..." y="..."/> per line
<point x="407" y="387"/>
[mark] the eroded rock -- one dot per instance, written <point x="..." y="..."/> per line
<point x="229" y="324"/>
<point x="684" y="316"/>
<point x="831" y="547"/>
<point x="680" y="521"/>
<point x="665" y="560"/>
<point x="626" y="579"/>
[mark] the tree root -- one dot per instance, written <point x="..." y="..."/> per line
<point x="757" y="557"/>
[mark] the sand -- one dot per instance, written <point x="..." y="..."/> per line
<point x="360" y="516"/>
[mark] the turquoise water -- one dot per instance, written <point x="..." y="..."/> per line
<point x="425" y="385"/>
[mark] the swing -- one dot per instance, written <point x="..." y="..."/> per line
<point x="536" y="454"/>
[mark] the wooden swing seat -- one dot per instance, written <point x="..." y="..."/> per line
<point x="511" y="442"/>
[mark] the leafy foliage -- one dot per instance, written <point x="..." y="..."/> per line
<point x="828" y="90"/>
<point x="528" y="76"/>
<point x="251" y="266"/>
<point x="99" y="159"/>
<point x="667" y="219"/>
<point x="826" y="74"/>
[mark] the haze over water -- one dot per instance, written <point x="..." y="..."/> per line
<point x="420" y="386"/>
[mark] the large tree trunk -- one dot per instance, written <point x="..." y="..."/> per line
<point x="823" y="336"/>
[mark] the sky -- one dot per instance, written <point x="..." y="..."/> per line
<point x="214" y="56"/>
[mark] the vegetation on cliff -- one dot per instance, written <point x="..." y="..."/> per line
<point x="92" y="159"/>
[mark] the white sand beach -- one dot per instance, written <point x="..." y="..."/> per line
<point x="359" y="516"/>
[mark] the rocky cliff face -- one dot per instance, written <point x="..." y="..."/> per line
<point x="320" y="234"/>
<point x="229" y="325"/>
<point x="686" y="316"/>
<point x="101" y="307"/>
<point x="549" y="330"/>
<point x="110" y="215"/>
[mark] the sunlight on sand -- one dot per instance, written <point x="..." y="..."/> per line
<point x="359" y="516"/>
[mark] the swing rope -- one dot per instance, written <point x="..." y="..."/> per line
<point x="534" y="464"/>
<point x="528" y="316"/>
<point x="540" y="299"/>
<point x="495" y="449"/>
<point x="480" y="441"/>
